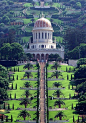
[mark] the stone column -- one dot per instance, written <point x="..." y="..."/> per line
<point x="44" y="34"/>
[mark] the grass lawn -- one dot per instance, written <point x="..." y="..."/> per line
<point x="20" y="94"/>
<point x="26" y="38"/>
<point x="27" y="5"/>
<point x="68" y="103"/>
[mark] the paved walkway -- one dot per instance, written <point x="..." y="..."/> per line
<point x="42" y="94"/>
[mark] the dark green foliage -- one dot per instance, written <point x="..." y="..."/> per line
<point x="72" y="106"/>
<point x="18" y="69"/>
<point x="3" y="72"/>
<point x="69" y="96"/>
<point x="14" y="69"/>
<point x="9" y="77"/>
<point x="8" y="106"/>
<point x="73" y="119"/>
<point x="17" y="77"/>
<point x="10" y="96"/>
<point x="78" y="52"/>
<point x="78" y="73"/>
<point x="67" y="77"/>
<point x="13" y="107"/>
<point x="27" y="84"/>
<point x="3" y="93"/>
<point x="16" y="86"/>
<point x="81" y="61"/>
<point x="6" y="118"/>
<point x="69" y="86"/>
<point x="2" y="118"/>
<point x="13" y="51"/>
<point x="73" y="38"/>
<point x="13" y="77"/>
<point x="12" y="86"/>
<point x="11" y="118"/>
<point x="66" y="69"/>
<point x="4" y="106"/>
<point x="15" y="96"/>
<point x="71" y="77"/>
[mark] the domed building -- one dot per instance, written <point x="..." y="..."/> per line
<point x="41" y="44"/>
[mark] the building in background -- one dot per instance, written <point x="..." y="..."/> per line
<point x="41" y="44"/>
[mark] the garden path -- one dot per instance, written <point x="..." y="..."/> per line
<point x="42" y="94"/>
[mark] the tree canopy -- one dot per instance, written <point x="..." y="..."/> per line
<point x="13" y="51"/>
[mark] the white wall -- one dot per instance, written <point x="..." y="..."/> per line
<point x="72" y="62"/>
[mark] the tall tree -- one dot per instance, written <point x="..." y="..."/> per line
<point x="60" y="114"/>
<point x="57" y="84"/>
<point x="56" y="74"/>
<point x="3" y="94"/>
<point x="17" y="51"/>
<point x="59" y="103"/>
<point x="25" y="102"/>
<point x="3" y="72"/>
<point x="27" y="84"/>
<point x="56" y="65"/>
<point x="24" y="114"/>
<point x="58" y="93"/>
<point x="28" y="65"/>
<point x="28" y="74"/>
<point x="27" y="93"/>
<point x="73" y="38"/>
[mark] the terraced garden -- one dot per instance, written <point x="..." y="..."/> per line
<point x="16" y="94"/>
<point x="67" y="94"/>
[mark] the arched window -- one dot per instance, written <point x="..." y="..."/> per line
<point x="39" y="35"/>
<point x="36" y="35"/>
<point x="45" y="35"/>
<point x="48" y="35"/>
<point x="42" y="46"/>
<point x="42" y="35"/>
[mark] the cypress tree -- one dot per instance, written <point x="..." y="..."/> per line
<point x="78" y="118"/>
<point x="4" y="106"/>
<point x="66" y="69"/>
<point x="69" y="96"/>
<point x="14" y="69"/>
<point x="71" y="77"/>
<point x="16" y="86"/>
<point x="10" y="96"/>
<point x="18" y="69"/>
<point x="6" y="118"/>
<point x="69" y="69"/>
<point x="9" y="77"/>
<point x="11" y="118"/>
<point x="2" y="118"/>
<point x="72" y="106"/>
<point x="12" y="86"/>
<point x="69" y="86"/>
<point x="13" y="77"/>
<point x="8" y="106"/>
<point x="73" y="119"/>
<point x="15" y="96"/>
<point x="72" y="86"/>
<point x="17" y="77"/>
<point x="13" y="107"/>
<point x="67" y="77"/>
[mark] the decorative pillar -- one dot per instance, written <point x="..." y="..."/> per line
<point x="44" y="34"/>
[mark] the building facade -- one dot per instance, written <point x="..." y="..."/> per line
<point x="41" y="45"/>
